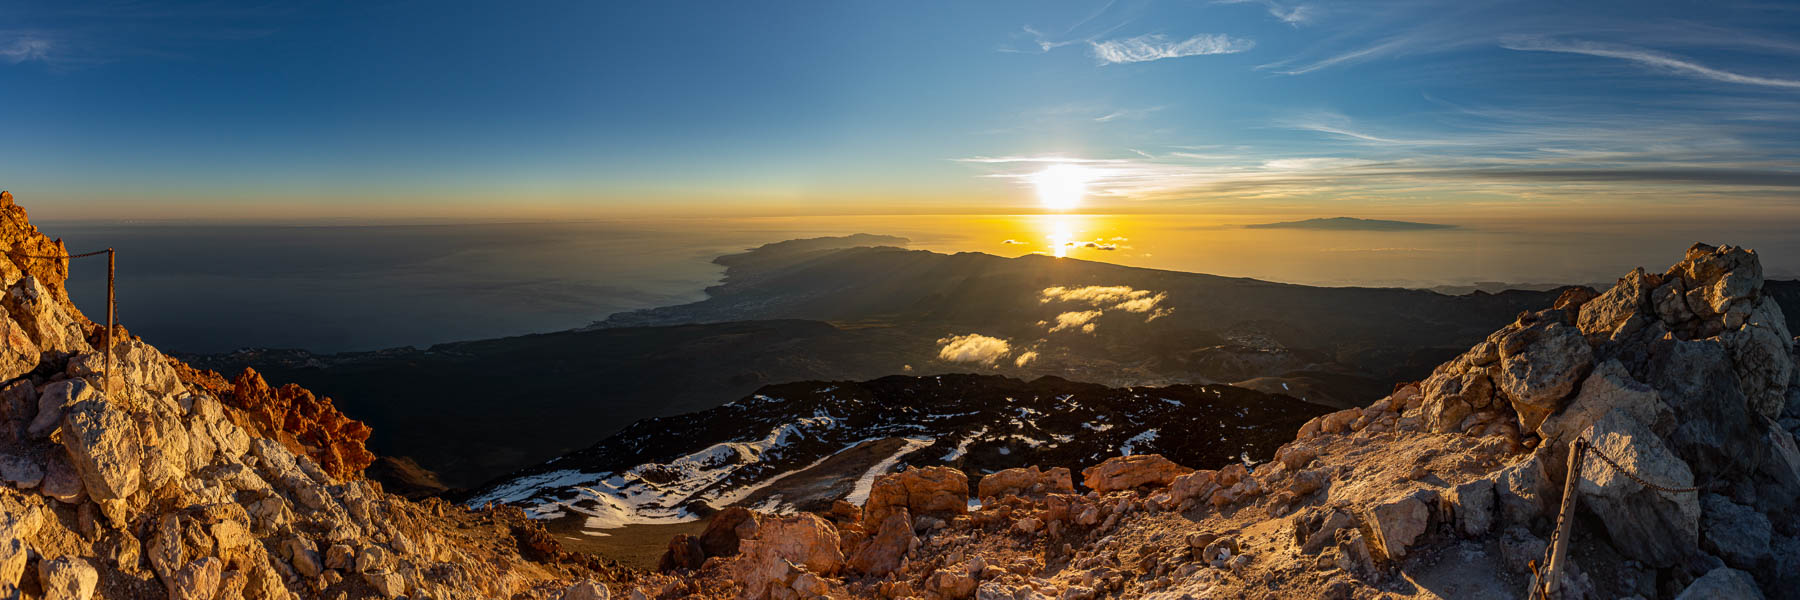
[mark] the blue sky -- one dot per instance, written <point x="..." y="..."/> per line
<point x="170" y="109"/>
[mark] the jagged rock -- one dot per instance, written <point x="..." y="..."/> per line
<point x="727" y="530"/>
<point x="1472" y="505"/>
<point x="20" y="472"/>
<point x="950" y="585"/>
<point x="67" y="578"/>
<point x="1734" y="532"/>
<point x="1610" y="386"/>
<point x="54" y="399"/>
<point x="388" y="584"/>
<point x="1652" y="526"/>
<point x="1613" y="309"/>
<point x="1197" y="485"/>
<point x="804" y="539"/>
<point x="1518" y="548"/>
<point x="1454" y="391"/>
<point x="1524" y="491"/>
<point x="1025" y="480"/>
<point x="921" y="491"/>
<point x="684" y="553"/>
<point x="18" y="354"/>
<point x="44" y="316"/>
<point x="102" y="441"/>
<point x="885" y="550"/>
<point x="1127" y="472"/>
<point x="1398" y="523"/>
<point x="1539" y="366"/>
<point x="1326" y="533"/>
<point x="62" y="481"/>
<point x="199" y="580"/>
<point x="1723" y="583"/>
<point x="1761" y="357"/>
<point x="585" y="590"/>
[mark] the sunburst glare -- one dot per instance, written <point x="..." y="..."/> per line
<point x="1062" y="186"/>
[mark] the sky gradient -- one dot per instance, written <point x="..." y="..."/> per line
<point x="1436" y="111"/>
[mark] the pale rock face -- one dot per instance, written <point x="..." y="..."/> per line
<point x="1473" y="505"/>
<point x="1398" y="523"/>
<point x="42" y="318"/>
<point x="926" y="491"/>
<point x="1613" y="308"/>
<point x="67" y="578"/>
<point x="103" y="446"/>
<point x="585" y="590"/>
<point x="198" y="580"/>
<point x="1761" y="357"/>
<point x="18" y="354"/>
<point x="1649" y="525"/>
<point x="1723" y="583"/>
<point x="1734" y="532"/>
<point x="1539" y="367"/>
<point x="1026" y="480"/>
<point x="55" y="398"/>
<point x="1610" y="386"/>
<point x="1127" y="472"/>
<point x="884" y="551"/>
<point x="804" y="539"/>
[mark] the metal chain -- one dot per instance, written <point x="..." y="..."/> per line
<point x="1634" y="477"/>
<point x="65" y="256"/>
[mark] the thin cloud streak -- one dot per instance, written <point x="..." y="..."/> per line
<point x="1641" y="56"/>
<point x="1146" y="48"/>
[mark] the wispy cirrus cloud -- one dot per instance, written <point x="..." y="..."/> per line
<point x="1151" y="47"/>
<point x="1292" y="14"/>
<point x="1641" y="56"/>
<point x="25" y="48"/>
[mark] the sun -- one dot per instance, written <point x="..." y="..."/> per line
<point x="1061" y="186"/>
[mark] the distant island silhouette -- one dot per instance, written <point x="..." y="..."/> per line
<point x="1351" y="224"/>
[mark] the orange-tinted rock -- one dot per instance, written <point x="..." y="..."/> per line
<point x="803" y="539"/>
<point x="304" y="423"/>
<point x="727" y="530"/>
<point x="1026" y="480"/>
<point x="882" y="553"/>
<point x="1127" y="472"/>
<point x="684" y="553"/>
<point x="927" y="491"/>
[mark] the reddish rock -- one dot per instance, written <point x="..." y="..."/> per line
<point x="727" y="529"/>
<point x="304" y="423"/>
<point x="1127" y="472"/>
<point x="1026" y="480"/>
<point x="684" y="553"/>
<point x="927" y="491"/>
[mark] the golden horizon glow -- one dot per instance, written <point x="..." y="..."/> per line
<point x="1062" y="186"/>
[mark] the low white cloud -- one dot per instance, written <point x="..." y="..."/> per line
<point x="1025" y="358"/>
<point x="973" y="348"/>
<point x="1103" y="297"/>
<point x="1145" y="48"/>
<point x="1013" y="243"/>
<point x="1082" y="319"/>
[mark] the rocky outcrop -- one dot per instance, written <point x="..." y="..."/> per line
<point x="151" y="482"/>
<point x="1026" y="480"/>
<point x="938" y="491"/>
<point x="1126" y="472"/>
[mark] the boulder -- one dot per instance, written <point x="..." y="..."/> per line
<point x="726" y="530"/>
<point x="1197" y="486"/>
<point x="1453" y="392"/>
<point x="20" y="472"/>
<point x="1127" y="472"/>
<point x="1472" y="505"/>
<point x="1736" y="533"/>
<point x="684" y="553"/>
<point x="67" y="578"/>
<point x="102" y="442"/>
<point x="1645" y="524"/>
<point x="1761" y="356"/>
<point x="1025" y="480"/>
<point x="1723" y="583"/>
<point x="62" y="481"/>
<point x="1524" y="492"/>
<point x="1609" y="311"/>
<point x="1398" y="523"/>
<point x="585" y="590"/>
<point x="921" y="491"/>
<point x="1539" y="367"/>
<point x="1610" y="386"/>
<point x="805" y="539"/>
<point x="887" y="547"/>
<point x="54" y="399"/>
<point x="198" y="580"/>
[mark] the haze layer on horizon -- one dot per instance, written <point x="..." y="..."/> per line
<point x="1420" y="111"/>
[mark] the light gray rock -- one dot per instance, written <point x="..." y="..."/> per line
<point x="1610" y="386"/>
<point x="1473" y="505"/>
<point x="388" y="584"/>
<point x="1651" y="526"/>
<point x="103" y="446"/>
<point x="18" y="353"/>
<point x="1723" y="583"/>
<point x="1540" y="366"/>
<point x="585" y="590"/>
<point x="1610" y="310"/>
<point x="1518" y="547"/>
<point x="51" y="403"/>
<point x="1524" y="492"/>
<point x="1761" y="355"/>
<point x="20" y="472"/>
<point x="67" y="578"/>
<point x="43" y="318"/>
<point x="1397" y="524"/>
<point x="1733" y="532"/>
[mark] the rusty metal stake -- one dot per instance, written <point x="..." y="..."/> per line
<point x="1565" y="518"/>
<point x="109" y="324"/>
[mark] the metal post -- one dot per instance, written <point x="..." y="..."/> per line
<point x="1559" y="551"/>
<point x="110" y="314"/>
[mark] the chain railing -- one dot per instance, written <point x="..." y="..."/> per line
<point x="111" y="312"/>
<point x="1547" y="575"/>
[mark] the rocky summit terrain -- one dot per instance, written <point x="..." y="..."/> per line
<point x="1680" y="385"/>
<point x="158" y="480"/>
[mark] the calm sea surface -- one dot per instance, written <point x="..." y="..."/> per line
<point x="219" y="287"/>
